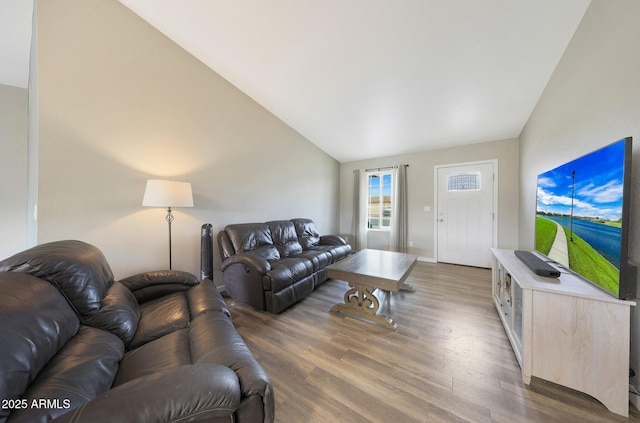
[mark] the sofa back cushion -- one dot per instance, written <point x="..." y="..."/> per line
<point x="224" y="246"/>
<point x="284" y="237"/>
<point x="35" y="322"/>
<point x="307" y="234"/>
<point x="254" y="238"/>
<point x="79" y="270"/>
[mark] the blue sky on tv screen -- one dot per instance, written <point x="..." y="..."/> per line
<point x="598" y="185"/>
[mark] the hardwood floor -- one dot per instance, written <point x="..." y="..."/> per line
<point x="449" y="361"/>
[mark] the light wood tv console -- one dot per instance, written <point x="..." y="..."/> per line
<point x="565" y="330"/>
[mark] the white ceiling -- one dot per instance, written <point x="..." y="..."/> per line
<point x="371" y="78"/>
<point x="365" y="78"/>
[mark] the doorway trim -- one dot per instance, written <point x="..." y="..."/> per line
<point x="436" y="168"/>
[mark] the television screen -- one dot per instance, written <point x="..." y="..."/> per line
<point x="582" y="217"/>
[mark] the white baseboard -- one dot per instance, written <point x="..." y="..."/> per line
<point x="427" y="259"/>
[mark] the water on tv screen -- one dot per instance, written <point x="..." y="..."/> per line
<point x="580" y="215"/>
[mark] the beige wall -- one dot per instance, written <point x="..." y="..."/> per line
<point x="420" y="187"/>
<point x="592" y="99"/>
<point x="13" y="169"/>
<point x="120" y="103"/>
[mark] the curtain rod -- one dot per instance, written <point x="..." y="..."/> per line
<point x="377" y="169"/>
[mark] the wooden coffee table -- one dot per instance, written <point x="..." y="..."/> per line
<point x="366" y="271"/>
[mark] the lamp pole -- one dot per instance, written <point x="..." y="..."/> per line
<point x="169" y="219"/>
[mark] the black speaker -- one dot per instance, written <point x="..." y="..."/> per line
<point x="536" y="264"/>
<point x="206" y="251"/>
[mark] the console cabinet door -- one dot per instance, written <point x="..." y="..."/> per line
<point x="582" y="344"/>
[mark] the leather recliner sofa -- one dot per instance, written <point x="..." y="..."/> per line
<point x="155" y="347"/>
<point x="271" y="266"/>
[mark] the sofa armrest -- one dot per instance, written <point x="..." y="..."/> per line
<point x="243" y="274"/>
<point x="199" y="391"/>
<point x="332" y="240"/>
<point x="260" y="265"/>
<point x="150" y="285"/>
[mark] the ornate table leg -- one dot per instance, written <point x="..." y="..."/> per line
<point x="360" y="302"/>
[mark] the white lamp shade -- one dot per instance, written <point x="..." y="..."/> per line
<point x="161" y="193"/>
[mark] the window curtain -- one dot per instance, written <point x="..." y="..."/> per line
<point x="399" y="224"/>
<point x="359" y="224"/>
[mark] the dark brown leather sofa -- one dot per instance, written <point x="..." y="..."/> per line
<point x="156" y="347"/>
<point x="271" y="266"/>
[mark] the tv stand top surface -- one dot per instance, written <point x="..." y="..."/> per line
<point x="566" y="284"/>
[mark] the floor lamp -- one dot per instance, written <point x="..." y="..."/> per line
<point x="162" y="193"/>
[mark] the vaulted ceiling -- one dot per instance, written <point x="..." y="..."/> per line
<point x="372" y="78"/>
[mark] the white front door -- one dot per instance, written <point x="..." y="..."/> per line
<point x="465" y="213"/>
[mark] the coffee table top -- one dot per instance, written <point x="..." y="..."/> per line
<point x="386" y="270"/>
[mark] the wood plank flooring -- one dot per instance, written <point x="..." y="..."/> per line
<point x="449" y="361"/>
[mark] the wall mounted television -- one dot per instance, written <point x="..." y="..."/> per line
<point x="582" y="218"/>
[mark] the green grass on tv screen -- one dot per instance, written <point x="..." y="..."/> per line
<point x="583" y="259"/>
<point x="545" y="234"/>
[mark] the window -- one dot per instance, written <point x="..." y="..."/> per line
<point x="379" y="200"/>
<point x="464" y="182"/>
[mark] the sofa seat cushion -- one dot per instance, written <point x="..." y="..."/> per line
<point x="286" y="272"/>
<point x="171" y="350"/>
<point x="211" y="338"/>
<point x="338" y="252"/>
<point x="37" y="322"/>
<point x="160" y="317"/>
<point x="174" y="311"/>
<point x="84" y="368"/>
<point x="318" y="258"/>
